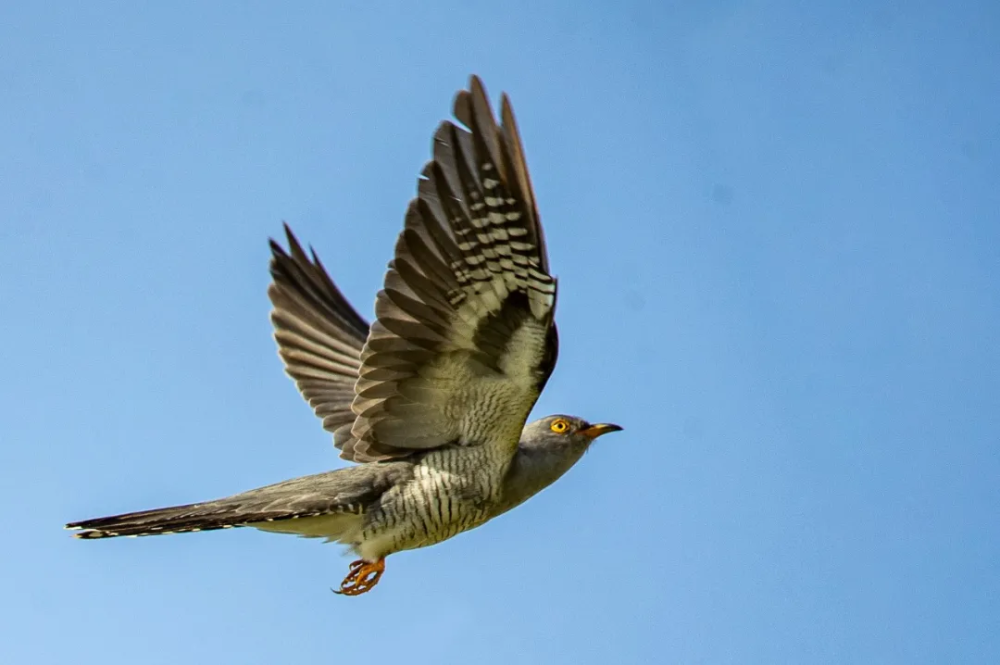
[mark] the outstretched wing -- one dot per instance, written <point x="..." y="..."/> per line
<point x="319" y="334"/>
<point x="464" y="338"/>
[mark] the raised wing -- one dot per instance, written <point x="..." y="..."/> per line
<point x="319" y="334"/>
<point x="464" y="338"/>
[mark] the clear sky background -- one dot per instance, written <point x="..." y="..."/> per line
<point x="777" y="232"/>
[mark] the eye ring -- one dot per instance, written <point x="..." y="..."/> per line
<point x="559" y="426"/>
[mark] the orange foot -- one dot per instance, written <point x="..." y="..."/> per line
<point x="362" y="577"/>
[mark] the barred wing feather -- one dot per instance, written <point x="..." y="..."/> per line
<point x="464" y="338"/>
<point x="319" y="334"/>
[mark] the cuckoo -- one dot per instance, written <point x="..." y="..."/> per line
<point x="430" y="400"/>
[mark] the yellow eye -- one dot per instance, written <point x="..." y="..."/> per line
<point x="559" y="426"/>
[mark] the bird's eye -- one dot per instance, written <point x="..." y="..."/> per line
<point x="559" y="426"/>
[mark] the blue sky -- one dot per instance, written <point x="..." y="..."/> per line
<point x="777" y="232"/>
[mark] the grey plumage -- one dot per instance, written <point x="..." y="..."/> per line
<point x="430" y="399"/>
<point x="346" y="492"/>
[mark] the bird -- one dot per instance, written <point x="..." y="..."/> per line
<point x="429" y="401"/>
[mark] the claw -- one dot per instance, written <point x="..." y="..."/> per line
<point x="361" y="578"/>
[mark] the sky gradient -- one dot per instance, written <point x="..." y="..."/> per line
<point x="777" y="232"/>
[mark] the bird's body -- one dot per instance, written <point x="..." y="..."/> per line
<point x="376" y="509"/>
<point x="431" y="399"/>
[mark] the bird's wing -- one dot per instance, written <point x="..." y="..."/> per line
<point x="464" y="338"/>
<point x="319" y="334"/>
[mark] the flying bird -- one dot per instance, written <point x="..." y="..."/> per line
<point x="430" y="401"/>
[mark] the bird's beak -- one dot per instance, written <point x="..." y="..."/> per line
<point x="595" y="431"/>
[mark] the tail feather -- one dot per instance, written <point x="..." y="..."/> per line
<point x="189" y="518"/>
<point x="344" y="492"/>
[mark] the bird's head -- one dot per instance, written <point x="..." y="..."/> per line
<point x="561" y="432"/>
<point x="549" y="447"/>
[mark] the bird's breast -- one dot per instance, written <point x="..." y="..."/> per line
<point x="452" y="490"/>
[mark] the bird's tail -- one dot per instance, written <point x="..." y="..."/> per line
<point x="338" y="497"/>
<point x="176" y="519"/>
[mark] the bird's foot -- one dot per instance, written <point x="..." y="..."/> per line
<point x="362" y="577"/>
